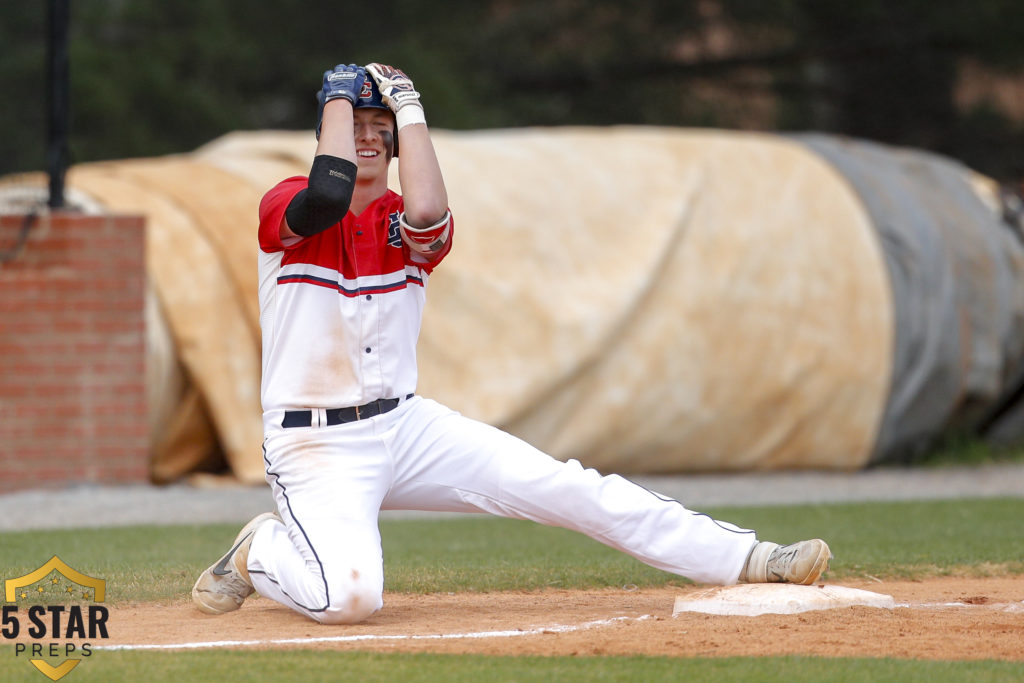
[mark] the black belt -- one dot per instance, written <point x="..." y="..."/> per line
<point x="337" y="416"/>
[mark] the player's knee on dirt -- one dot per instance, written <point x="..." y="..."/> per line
<point x="351" y="608"/>
<point x="353" y="598"/>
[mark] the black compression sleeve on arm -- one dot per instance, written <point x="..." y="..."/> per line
<point x="326" y="200"/>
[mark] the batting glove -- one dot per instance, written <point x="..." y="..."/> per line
<point x="398" y="93"/>
<point x="344" y="81"/>
<point x="341" y="82"/>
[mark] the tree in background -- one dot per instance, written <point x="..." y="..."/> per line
<point x="151" y="77"/>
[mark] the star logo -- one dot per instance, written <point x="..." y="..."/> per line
<point x="53" y="630"/>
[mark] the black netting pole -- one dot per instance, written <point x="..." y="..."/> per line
<point x="59" y="101"/>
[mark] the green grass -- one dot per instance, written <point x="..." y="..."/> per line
<point x="896" y="540"/>
<point x="958" y="450"/>
<point x="905" y="539"/>
<point x="309" y="666"/>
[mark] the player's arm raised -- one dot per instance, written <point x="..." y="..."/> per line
<point x="333" y="173"/>
<point x="426" y="223"/>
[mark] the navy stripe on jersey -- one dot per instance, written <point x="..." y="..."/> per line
<point x="348" y="291"/>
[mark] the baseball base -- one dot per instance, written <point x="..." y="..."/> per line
<point x="750" y="600"/>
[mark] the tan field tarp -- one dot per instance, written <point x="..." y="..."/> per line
<point x="653" y="300"/>
<point x="643" y="299"/>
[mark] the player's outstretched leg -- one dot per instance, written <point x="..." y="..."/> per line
<point x="802" y="562"/>
<point x="225" y="585"/>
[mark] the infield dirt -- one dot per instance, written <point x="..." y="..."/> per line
<point x="941" y="618"/>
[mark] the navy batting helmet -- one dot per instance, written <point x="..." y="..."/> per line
<point x="369" y="98"/>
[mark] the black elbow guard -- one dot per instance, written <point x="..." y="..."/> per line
<point x="326" y="200"/>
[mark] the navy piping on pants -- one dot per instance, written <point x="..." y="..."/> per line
<point x="291" y="513"/>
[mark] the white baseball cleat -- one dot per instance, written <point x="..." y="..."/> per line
<point x="225" y="585"/>
<point x="801" y="563"/>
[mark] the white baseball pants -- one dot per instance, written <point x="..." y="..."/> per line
<point x="330" y="483"/>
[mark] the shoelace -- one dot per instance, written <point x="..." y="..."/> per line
<point x="233" y="584"/>
<point x="779" y="561"/>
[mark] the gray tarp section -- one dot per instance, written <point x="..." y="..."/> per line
<point x="957" y="277"/>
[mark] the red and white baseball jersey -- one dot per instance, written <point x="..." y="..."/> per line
<point x="340" y="311"/>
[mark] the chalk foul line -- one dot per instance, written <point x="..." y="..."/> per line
<point x="559" y="628"/>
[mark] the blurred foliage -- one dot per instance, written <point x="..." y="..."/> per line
<point x="151" y="77"/>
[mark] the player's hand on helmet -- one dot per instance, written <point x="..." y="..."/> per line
<point x="396" y="89"/>
<point x="343" y="81"/>
<point x="398" y="93"/>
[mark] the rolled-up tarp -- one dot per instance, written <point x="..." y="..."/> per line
<point x="642" y="299"/>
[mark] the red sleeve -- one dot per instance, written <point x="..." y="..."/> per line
<point x="272" y="208"/>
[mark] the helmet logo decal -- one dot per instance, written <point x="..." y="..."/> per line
<point x="366" y="93"/>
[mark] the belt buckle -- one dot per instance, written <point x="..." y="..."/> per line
<point x="358" y="416"/>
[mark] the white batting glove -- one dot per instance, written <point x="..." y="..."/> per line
<point x="398" y="93"/>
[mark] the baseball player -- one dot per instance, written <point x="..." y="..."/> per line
<point x="343" y="269"/>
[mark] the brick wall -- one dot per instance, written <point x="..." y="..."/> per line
<point x="72" y="352"/>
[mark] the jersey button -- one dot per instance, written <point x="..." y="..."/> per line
<point x="359" y="232"/>
<point x="369" y="296"/>
<point x="368" y="349"/>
